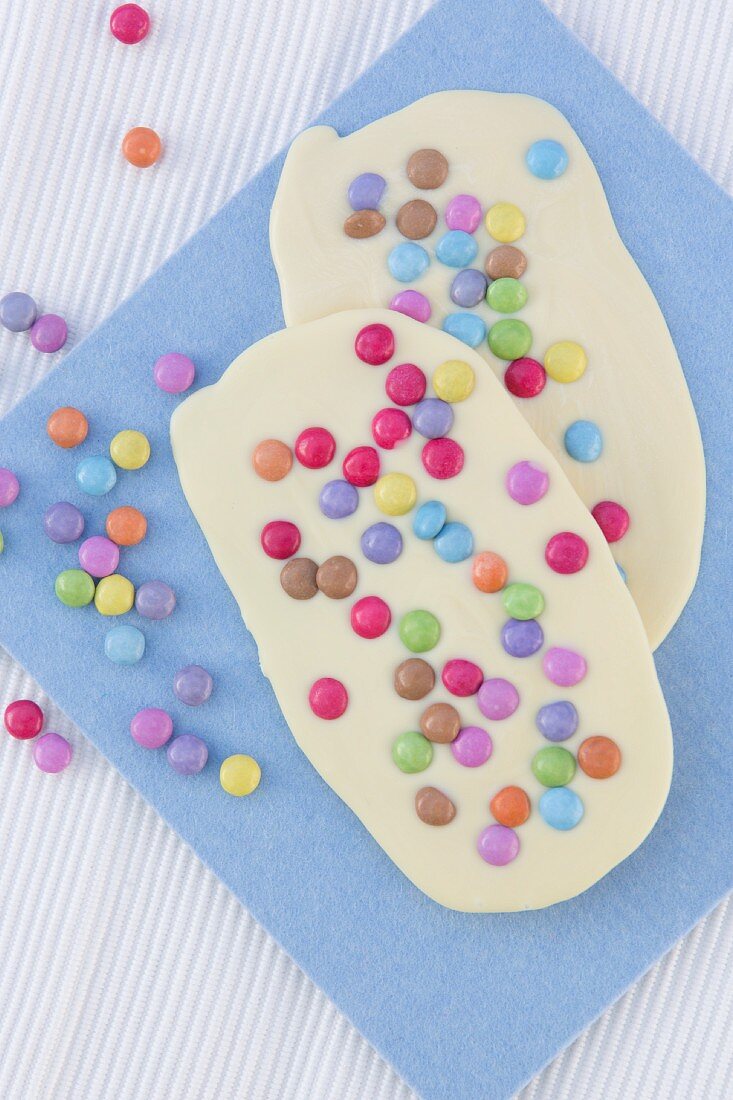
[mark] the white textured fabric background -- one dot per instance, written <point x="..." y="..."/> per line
<point x="126" y="969"/>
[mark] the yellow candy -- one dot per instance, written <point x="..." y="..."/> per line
<point x="239" y="775"/>
<point x="453" y="380"/>
<point x="114" y="595"/>
<point x="565" y="361"/>
<point x="505" y="222"/>
<point x="129" y="450"/>
<point x="395" y="494"/>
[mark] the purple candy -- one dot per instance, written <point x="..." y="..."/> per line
<point x="527" y="482"/>
<point x="17" y="311"/>
<point x="469" y="288"/>
<point x="557" y="721"/>
<point x="187" y="754"/>
<point x="193" y="685"/>
<point x="522" y="638"/>
<point x="381" y="543"/>
<point x="9" y="487"/>
<point x="472" y="747"/>
<point x="99" y="556"/>
<point x="564" y="667"/>
<point x="52" y="753"/>
<point x="338" y="499"/>
<point x="366" y="191"/>
<point x="413" y="304"/>
<point x="49" y="332"/>
<point x="463" y="212"/>
<point x="498" y="845"/>
<point x="174" y="373"/>
<point x="497" y="699"/>
<point x="155" y="600"/>
<point x="63" y="522"/>
<point x="432" y="418"/>
<point x="151" y="727"/>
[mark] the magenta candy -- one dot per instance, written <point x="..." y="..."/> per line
<point x="443" y="458"/>
<point x="374" y="344"/>
<point x="49" y="332"/>
<point x="564" y="667"/>
<point x="129" y="24"/>
<point x="472" y="747"/>
<point x="151" y="727"/>
<point x="566" y="552"/>
<point x="280" y="539"/>
<point x="462" y="678"/>
<point x="612" y="518"/>
<point x="99" y="556"/>
<point x="328" y="698"/>
<point x="527" y="482"/>
<point x="315" y="448"/>
<point x="52" y="753"/>
<point x="498" y="845"/>
<point x="497" y="699"/>
<point x="174" y="373"/>
<point x="406" y="384"/>
<point x="9" y="487"/>
<point x="391" y="426"/>
<point x="413" y="304"/>
<point x="463" y="212"/>
<point x="370" y="617"/>
<point x="361" y="466"/>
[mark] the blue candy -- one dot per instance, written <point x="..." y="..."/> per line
<point x="432" y="418"/>
<point x="466" y="327"/>
<point x="366" y="191"/>
<point x="557" y="721"/>
<point x="96" y="475"/>
<point x="584" y="441"/>
<point x="468" y="288"/>
<point x="124" y="644"/>
<point x="381" y="543"/>
<point x="456" y="248"/>
<point x="622" y="573"/>
<point x="17" y="311"/>
<point x="408" y="261"/>
<point x="338" y="499"/>
<point x="454" y="543"/>
<point x="547" y="159"/>
<point x="429" y="519"/>
<point x="561" y="808"/>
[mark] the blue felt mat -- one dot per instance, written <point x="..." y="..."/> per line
<point x="464" y="1006"/>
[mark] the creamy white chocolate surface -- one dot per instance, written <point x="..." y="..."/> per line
<point x="583" y="286"/>
<point x="309" y="375"/>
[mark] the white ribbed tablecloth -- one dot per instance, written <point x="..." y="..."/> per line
<point x="127" y="971"/>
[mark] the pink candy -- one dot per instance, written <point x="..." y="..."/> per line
<point x="461" y="677"/>
<point x="564" y="667"/>
<point x="280" y="539"/>
<point x="498" y="845"/>
<point x="49" y="332"/>
<point x="413" y="304"/>
<point x="370" y="617"/>
<point x="174" y="373"/>
<point x="527" y="482"/>
<point x="361" y="466"/>
<point x="497" y="699"/>
<point x="151" y="727"/>
<point x="391" y="426"/>
<point x="52" y="753"/>
<point x="374" y="344"/>
<point x="99" y="556"/>
<point x="612" y="518"/>
<point x="463" y="212"/>
<point x="472" y="747"/>
<point x="406" y="384"/>
<point x="9" y="487"/>
<point x="328" y="698"/>
<point x="315" y="447"/>
<point x="566" y="552"/>
<point x="129" y="24"/>
<point x="443" y="458"/>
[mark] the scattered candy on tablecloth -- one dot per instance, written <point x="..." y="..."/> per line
<point x="129" y="23"/>
<point x="239" y="775"/>
<point x="126" y="526"/>
<point x="52" y="753"/>
<point x="96" y="475"/>
<point x="63" y="522"/>
<point x="151" y="727"/>
<point x="187" y="754"/>
<point x="174" y="373"/>
<point x="9" y="487"/>
<point x="99" y="556"/>
<point x="155" y="600"/>
<point x="18" y="311"/>
<point x="114" y="595"/>
<point x="130" y="449"/>
<point x="141" y="147"/>
<point x="23" y="719"/>
<point x="49" y="332"/>
<point x="74" y="588"/>
<point x="67" y="427"/>
<point x="193" y="685"/>
<point x="124" y="644"/>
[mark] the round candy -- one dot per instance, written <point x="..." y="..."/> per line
<point x="414" y="679"/>
<point x="187" y="754"/>
<point x="599" y="757"/>
<point x="412" y="752"/>
<point x="67" y="427"/>
<point x="523" y="601"/>
<point x="17" y="311"/>
<point x="416" y="219"/>
<point x="461" y="677"/>
<point x="413" y="304"/>
<point x="126" y="526"/>
<point x="23" y="719"/>
<point x="505" y="222"/>
<point x="239" y="775"/>
<point x="489" y="572"/>
<point x="370" y="617"/>
<point x="583" y="441"/>
<point x="337" y="577"/>
<point x="381" y="543"/>
<point x="130" y="450"/>
<point x="506" y="295"/>
<point x="406" y="384"/>
<point x="315" y="448"/>
<point x="374" y="344"/>
<point x="564" y="667"/>
<point x="510" y="806"/>
<point x="363" y="224"/>
<point x="63" y="522"/>
<point x="193" y="685"/>
<point x="114" y="596"/>
<point x="151" y="728"/>
<point x="510" y="339"/>
<point x="366" y="191"/>
<point x="432" y="418"/>
<point x="74" y="588"/>
<point x="52" y="753"/>
<point x="561" y="808"/>
<point x="96" y="475"/>
<point x="565" y="361"/>
<point x="338" y="499"/>
<point x="9" y="487"/>
<point x="463" y="212"/>
<point x="522" y="638"/>
<point x="466" y="327"/>
<point x="99" y="556"/>
<point x="498" y="845"/>
<point x="155" y="600"/>
<point x="427" y="169"/>
<point x="453" y="380"/>
<point x="468" y="289"/>
<point x="566" y="552"/>
<point x="419" y="631"/>
<point x="440" y="723"/>
<point x="361" y="466"/>
<point x="612" y="518"/>
<point x="456" y="248"/>
<point x="433" y="807"/>
<point x="472" y="747"/>
<point x="395" y="494"/>
<point x="506" y="262"/>
<point x="429" y="519"/>
<point x="546" y="159"/>
<point x="280" y="539"/>
<point x="454" y="543"/>
<point x="497" y="699"/>
<point x="298" y="578"/>
<point x="525" y="377"/>
<point x="124" y="644"/>
<point x="391" y="426"/>
<point x="443" y="458"/>
<point x="553" y="766"/>
<point x="407" y="262"/>
<point x="174" y="373"/>
<point x="49" y="333"/>
<point x="328" y="698"/>
<point x="527" y="482"/>
<point x="557" y="721"/>
<point x="129" y="24"/>
<point x="141" y="147"/>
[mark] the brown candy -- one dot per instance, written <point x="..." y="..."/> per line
<point x="440" y="723"/>
<point x="337" y="577"/>
<point x="599" y="757"/>
<point x="364" y="223"/>
<point x="433" y="807"/>
<point x="298" y="578"/>
<point x="414" y="678"/>
<point x="416" y="219"/>
<point x="506" y="262"/>
<point x="427" y="169"/>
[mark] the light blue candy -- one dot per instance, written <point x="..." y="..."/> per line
<point x="622" y="573"/>
<point x="408" y="261"/>
<point x="429" y="519"/>
<point x="456" y="248"/>
<point x="466" y="327"/>
<point x="96" y="475"/>
<point x="547" y="159"/>
<point x="454" y="543"/>
<point x="124" y="644"/>
<point x="584" y="441"/>
<point x="561" y="808"/>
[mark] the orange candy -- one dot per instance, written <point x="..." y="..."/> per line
<point x="141" y="146"/>
<point x="510" y="806"/>
<point x="599" y="757"/>
<point x="272" y="459"/>
<point x="67" y="427"/>
<point x="489" y="572"/>
<point x="126" y="526"/>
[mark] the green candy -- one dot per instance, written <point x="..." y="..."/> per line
<point x="510" y="339"/>
<point x="523" y="601"/>
<point x="74" y="588"/>
<point x="506" y="295"/>
<point x="553" y="766"/>
<point x="412" y="752"/>
<point x="419" y="631"/>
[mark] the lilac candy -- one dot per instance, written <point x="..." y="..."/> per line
<point x="49" y="333"/>
<point x="522" y="638"/>
<point x="338" y="499"/>
<point x="9" y="487"/>
<point x="557" y="721"/>
<point x="498" y="845"/>
<point x="564" y="667"/>
<point x="381" y="543"/>
<point x="432" y="418"/>
<point x="52" y="753"/>
<point x="17" y="311"/>
<point x="497" y="699"/>
<point x="366" y="191"/>
<point x="469" y="288"/>
<point x="463" y="212"/>
<point x="99" y="556"/>
<point x="151" y="727"/>
<point x="527" y="482"/>
<point x="187" y="754"/>
<point x="155" y="600"/>
<point x="472" y="747"/>
<point x="413" y="304"/>
<point x="63" y="522"/>
<point x="193" y="685"/>
<point x="174" y="373"/>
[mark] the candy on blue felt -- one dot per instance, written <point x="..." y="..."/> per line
<point x="432" y="418"/>
<point x="546" y="159"/>
<point x="584" y="441"/>
<point x="381" y="543"/>
<point x="454" y="543"/>
<point x="338" y="499"/>
<point x="63" y="522"/>
<point x="561" y="808"/>
<point x="467" y="327"/>
<point x="366" y="191"/>
<point x="468" y="289"/>
<point x="96" y="475"/>
<point x="155" y="600"/>
<point x="408" y="261"/>
<point x="124" y="644"/>
<point x="456" y="248"/>
<point x="429" y="519"/>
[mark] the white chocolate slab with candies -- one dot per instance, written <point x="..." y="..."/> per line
<point x="311" y="376"/>
<point x="582" y="285"/>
